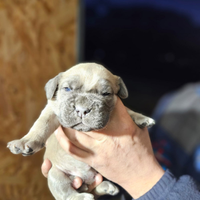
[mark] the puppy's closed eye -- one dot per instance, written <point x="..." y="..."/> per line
<point x="106" y="93"/>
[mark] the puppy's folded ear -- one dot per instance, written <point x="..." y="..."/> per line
<point x="51" y="86"/>
<point x="123" y="92"/>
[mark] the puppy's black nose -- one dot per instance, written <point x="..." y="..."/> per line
<point x="82" y="112"/>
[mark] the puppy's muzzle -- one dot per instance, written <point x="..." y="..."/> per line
<point x="83" y="106"/>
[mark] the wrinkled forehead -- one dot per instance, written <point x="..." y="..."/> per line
<point x="78" y="81"/>
<point x="90" y="79"/>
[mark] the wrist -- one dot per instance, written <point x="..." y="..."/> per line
<point x="143" y="181"/>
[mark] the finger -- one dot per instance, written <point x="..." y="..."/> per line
<point x="70" y="148"/>
<point x="77" y="182"/>
<point x="46" y="166"/>
<point x="97" y="181"/>
<point x="79" y="139"/>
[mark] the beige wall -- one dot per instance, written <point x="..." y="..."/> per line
<point x="37" y="41"/>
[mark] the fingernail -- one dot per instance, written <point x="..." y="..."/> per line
<point x="44" y="165"/>
<point x="75" y="184"/>
<point x="56" y="132"/>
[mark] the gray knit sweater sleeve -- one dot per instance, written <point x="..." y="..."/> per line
<point x="171" y="188"/>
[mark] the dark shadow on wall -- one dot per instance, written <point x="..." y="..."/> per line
<point x="154" y="51"/>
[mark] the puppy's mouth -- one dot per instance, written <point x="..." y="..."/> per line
<point x="77" y="124"/>
<point x="81" y="127"/>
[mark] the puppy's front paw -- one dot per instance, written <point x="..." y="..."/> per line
<point x="145" y="122"/>
<point x="24" y="147"/>
<point x="141" y="120"/>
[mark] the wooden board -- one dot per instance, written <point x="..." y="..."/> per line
<point x="37" y="41"/>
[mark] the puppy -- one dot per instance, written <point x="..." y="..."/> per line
<point x="81" y="98"/>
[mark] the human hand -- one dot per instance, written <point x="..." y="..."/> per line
<point x="77" y="182"/>
<point x="121" y="152"/>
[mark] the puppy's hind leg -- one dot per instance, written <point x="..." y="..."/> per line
<point x="106" y="187"/>
<point x="60" y="186"/>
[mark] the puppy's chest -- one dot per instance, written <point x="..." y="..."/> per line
<point x="65" y="162"/>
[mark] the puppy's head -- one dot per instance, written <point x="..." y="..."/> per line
<point x="85" y="96"/>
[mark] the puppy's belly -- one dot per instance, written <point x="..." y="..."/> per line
<point x="66" y="163"/>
